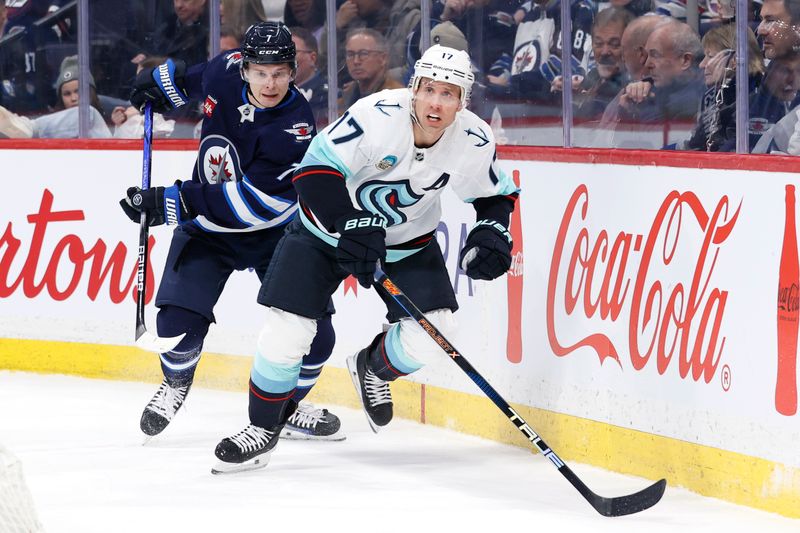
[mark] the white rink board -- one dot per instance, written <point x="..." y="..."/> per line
<point x="734" y="410"/>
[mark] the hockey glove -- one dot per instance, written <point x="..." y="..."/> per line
<point x="162" y="86"/>
<point x="487" y="251"/>
<point x="551" y="68"/>
<point x="162" y="204"/>
<point x="362" y="243"/>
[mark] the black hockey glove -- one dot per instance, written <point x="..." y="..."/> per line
<point x="162" y="86"/>
<point x="362" y="243"/>
<point x="162" y="204"/>
<point x="487" y="251"/>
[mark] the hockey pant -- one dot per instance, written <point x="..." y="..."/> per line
<point x="278" y="367"/>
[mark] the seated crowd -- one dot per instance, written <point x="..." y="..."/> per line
<point x="639" y="75"/>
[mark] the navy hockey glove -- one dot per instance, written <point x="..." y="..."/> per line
<point x="162" y="204"/>
<point x="162" y="86"/>
<point x="362" y="243"/>
<point x="487" y="251"/>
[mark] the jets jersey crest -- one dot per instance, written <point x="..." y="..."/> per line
<point x="372" y="144"/>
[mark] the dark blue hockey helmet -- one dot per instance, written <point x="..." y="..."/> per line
<point x="267" y="43"/>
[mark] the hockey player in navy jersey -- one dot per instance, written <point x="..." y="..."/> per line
<point x="369" y="189"/>
<point x="256" y="129"/>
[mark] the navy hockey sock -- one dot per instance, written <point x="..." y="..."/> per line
<point x="378" y="360"/>
<point x="179" y="364"/>
<point x="315" y="359"/>
<point x="269" y="409"/>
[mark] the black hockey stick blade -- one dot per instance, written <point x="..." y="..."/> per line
<point x="616" y="506"/>
<point x="630" y="504"/>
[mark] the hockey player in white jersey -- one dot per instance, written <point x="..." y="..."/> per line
<point x="369" y="189"/>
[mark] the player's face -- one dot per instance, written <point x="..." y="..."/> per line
<point x="69" y="94"/>
<point x="436" y="104"/>
<point x="268" y="83"/>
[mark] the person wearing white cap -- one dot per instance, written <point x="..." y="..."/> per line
<point x="370" y="190"/>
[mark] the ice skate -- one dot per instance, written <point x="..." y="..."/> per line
<point x="310" y="423"/>
<point x="249" y="449"/>
<point x="162" y="408"/>
<point x="374" y="393"/>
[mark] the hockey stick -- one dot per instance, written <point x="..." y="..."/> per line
<point x="145" y="339"/>
<point x="617" y="506"/>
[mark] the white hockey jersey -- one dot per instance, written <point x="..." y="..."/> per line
<point x="372" y="145"/>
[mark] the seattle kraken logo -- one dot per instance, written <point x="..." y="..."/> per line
<point x="387" y="199"/>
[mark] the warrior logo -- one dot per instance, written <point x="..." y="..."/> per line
<point x="218" y="160"/>
<point x="387" y="199"/>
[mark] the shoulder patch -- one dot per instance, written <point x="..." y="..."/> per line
<point x="234" y="58"/>
<point x="301" y="131"/>
<point x="387" y="162"/>
<point x="482" y="138"/>
<point x="381" y="105"/>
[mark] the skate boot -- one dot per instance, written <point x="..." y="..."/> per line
<point x="374" y="393"/>
<point x="247" y="450"/>
<point x="162" y="408"/>
<point x="310" y="423"/>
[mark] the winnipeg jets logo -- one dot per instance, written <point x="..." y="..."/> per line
<point x="387" y="198"/>
<point x="247" y="112"/>
<point x="217" y="160"/>
<point x="234" y="58"/>
<point x="483" y="138"/>
<point x="301" y="131"/>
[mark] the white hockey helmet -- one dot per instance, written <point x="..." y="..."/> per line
<point x="441" y="63"/>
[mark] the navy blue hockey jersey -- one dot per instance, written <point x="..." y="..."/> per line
<point x="242" y="176"/>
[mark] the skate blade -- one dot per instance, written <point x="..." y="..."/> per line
<point x="352" y="368"/>
<point x="255" y="463"/>
<point x="288" y="434"/>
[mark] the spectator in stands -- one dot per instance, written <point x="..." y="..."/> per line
<point x="63" y="123"/>
<point x="308" y="78"/>
<point x="671" y="91"/>
<point x="308" y="14"/>
<point x="778" y="28"/>
<point x="241" y="14"/>
<point x="634" y="39"/>
<point x="536" y="59"/>
<point x="603" y="82"/>
<point x="716" y="123"/>
<point x="773" y="100"/>
<point x="129" y="122"/>
<point x="395" y="20"/>
<point x="637" y="8"/>
<point x="675" y="82"/>
<point x="229" y="38"/>
<point x="184" y="35"/>
<point x="366" y="55"/>
<point x="488" y="24"/>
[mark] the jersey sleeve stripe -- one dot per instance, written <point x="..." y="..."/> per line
<point x="320" y="153"/>
<point x="272" y="203"/>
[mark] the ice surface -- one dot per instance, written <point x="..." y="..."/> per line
<point x="82" y="451"/>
